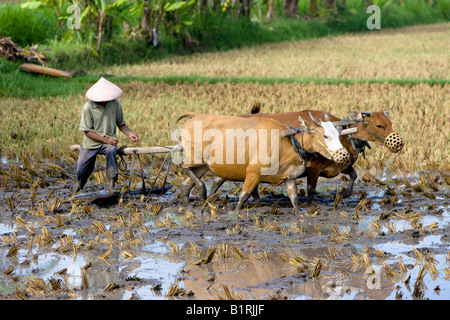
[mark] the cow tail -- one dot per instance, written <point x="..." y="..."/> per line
<point x="189" y="115"/>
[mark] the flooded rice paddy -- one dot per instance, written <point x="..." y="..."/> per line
<point x="389" y="240"/>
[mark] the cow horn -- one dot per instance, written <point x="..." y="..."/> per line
<point x="313" y="120"/>
<point x="327" y="117"/>
<point x="366" y="114"/>
<point x="302" y="123"/>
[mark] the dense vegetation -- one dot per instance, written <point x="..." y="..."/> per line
<point x="114" y="32"/>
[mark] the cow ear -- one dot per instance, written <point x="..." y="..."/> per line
<point x="386" y="113"/>
<point x="355" y="114"/>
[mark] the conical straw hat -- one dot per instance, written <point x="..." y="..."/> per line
<point x="103" y="90"/>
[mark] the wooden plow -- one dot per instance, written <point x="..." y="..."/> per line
<point x="136" y="152"/>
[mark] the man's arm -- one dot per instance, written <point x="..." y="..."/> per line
<point x="124" y="128"/>
<point x="95" y="136"/>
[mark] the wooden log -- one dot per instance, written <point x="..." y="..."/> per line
<point x="131" y="150"/>
<point x="346" y="122"/>
<point x="44" y="70"/>
<point x="349" y="131"/>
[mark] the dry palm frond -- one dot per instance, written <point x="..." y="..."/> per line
<point x="154" y="208"/>
<point x="261" y="255"/>
<point x="12" y="252"/>
<point x="379" y="253"/>
<point x="233" y="230"/>
<point x="230" y="294"/>
<point x="59" y="220"/>
<point x="10" y="202"/>
<point x="196" y="251"/>
<point x="391" y="227"/>
<point x="10" y="270"/>
<point x="355" y="259"/>
<point x="87" y="209"/>
<point x="360" y="206"/>
<point x="188" y="216"/>
<point x="127" y="254"/>
<point x="173" y="247"/>
<point x="421" y="274"/>
<point x="313" y="211"/>
<point x="434" y="225"/>
<point x="174" y="290"/>
<point x="402" y="265"/>
<point x="36" y="286"/>
<point x="223" y="250"/>
<point x="55" y="284"/>
<point x="284" y="257"/>
<point x="317" y="269"/>
<point x="20" y="295"/>
<point x="317" y="228"/>
<point x="388" y="270"/>
<point x="54" y="204"/>
<point x="418" y="254"/>
<point x="106" y="254"/>
<point x="237" y="253"/>
<point x="331" y="253"/>
<point x="98" y="227"/>
<point x="209" y="255"/>
<point x="111" y="287"/>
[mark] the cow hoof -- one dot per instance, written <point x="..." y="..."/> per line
<point x="185" y="201"/>
<point x="345" y="194"/>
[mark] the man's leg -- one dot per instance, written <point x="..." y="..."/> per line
<point x="85" y="166"/>
<point x="112" y="170"/>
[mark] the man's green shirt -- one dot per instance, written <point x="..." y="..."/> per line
<point x="102" y="119"/>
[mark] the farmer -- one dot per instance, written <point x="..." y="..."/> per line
<point x="99" y="119"/>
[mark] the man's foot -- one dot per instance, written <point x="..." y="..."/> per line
<point x="76" y="187"/>
<point x="112" y="186"/>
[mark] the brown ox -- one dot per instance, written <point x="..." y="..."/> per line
<point x="375" y="127"/>
<point x="263" y="152"/>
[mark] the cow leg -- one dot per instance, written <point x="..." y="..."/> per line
<point x="255" y="193"/>
<point x="194" y="175"/>
<point x="218" y="182"/>
<point x="251" y="182"/>
<point x="291" y="188"/>
<point x="311" y="182"/>
<point x="347" y="192"/>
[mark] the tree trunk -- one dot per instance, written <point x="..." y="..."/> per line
<point x="246" y="7"/>
<point x="290" y="8"/>
<point x="312" y="6"/>
<point x="101" y="17"/>
<point x="269" y="14"/>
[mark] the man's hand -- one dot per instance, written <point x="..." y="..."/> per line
<point x="125" y="130"/>
<point x="112" y="141"/>
<point x="133" y="137"/>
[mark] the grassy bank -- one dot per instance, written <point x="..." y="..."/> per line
<point x="407" y="56"/>
<point x="215" y="31"/>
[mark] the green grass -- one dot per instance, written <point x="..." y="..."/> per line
<point x="17" y="83"/>
<point x="26" y="26"/>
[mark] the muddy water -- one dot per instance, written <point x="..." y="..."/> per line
<point x="271" y="252"/>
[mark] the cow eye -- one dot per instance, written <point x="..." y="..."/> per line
<point x="325" y="137"/>
<point x="380" y="126"/>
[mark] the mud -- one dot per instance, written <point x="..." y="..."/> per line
<point x="389" y="240"/>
